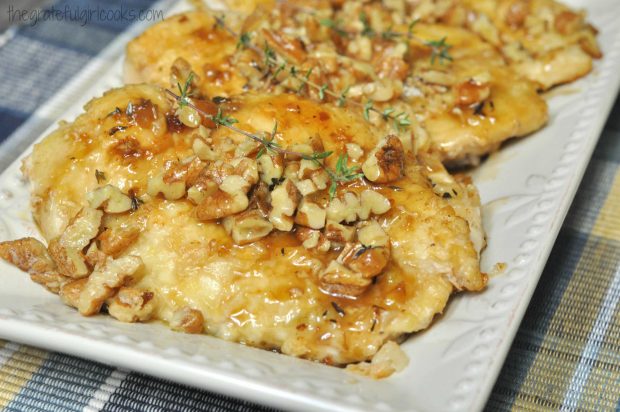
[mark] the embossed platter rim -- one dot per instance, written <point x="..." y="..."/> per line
<point x="453" y="365"/>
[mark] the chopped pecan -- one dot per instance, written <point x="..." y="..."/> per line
<point x="310" y="214"/>
<point x="70" y="262"/>
<point x="105" y="280"/>
<point x="339" y="280"/>
<point x="70" y="292"/>
<point x="187" y="320"/>
<point x="31" y="256"/>
<point x="110" y="199"/>
<point x="132" y="305"/>
<point x="284" y="201"/>
<point x="247" y="227"/>
<point x="386" y="162"/>
<point x="313" y="239"/>
<point x="114" y="240"/>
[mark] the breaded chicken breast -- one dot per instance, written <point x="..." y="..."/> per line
<point x="186" y="42"/>
<point x="543" y="40"/>
<point x="151" y="210"/>
<point x="470" y="105"/>
<point x="462" y="108"/>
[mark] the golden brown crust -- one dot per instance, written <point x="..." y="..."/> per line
<point x="241" y="288"/>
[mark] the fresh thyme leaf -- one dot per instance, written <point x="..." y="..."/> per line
<point x="270" y="56"/>
<point x="345" y="173"/>
<point x="335" y="26"/>
<point x="221" y="119"/>
<point x="269" y="145"/>
<point x="244" y="41"/>
<point x="401" y="120"/>
<point x="322" y="91"/>
<point x="274" y="130"/>
<point x="367" y="30"/>
<point x="387" y="112"/>
<point x="220" y="22"/>
<point x="411" y="27"/>
<point x="322" y="155"/>
<point x="100" y="176"/>
<point x="316" y="156"/>
<point x="304" y="81"/>
<point x="279" y="70"/>
<point x="440" y="50"/>
<point x="390" y="34"/>
<point x="368" y="106"/>
<point x="332" y="189"/>
<point x="184" y="90"/>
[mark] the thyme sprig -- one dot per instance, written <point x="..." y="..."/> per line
<point x="342" y="173"/>
<point x="272" y="60"/>
<point x="184" y="90"/>
<point x="440" y="49"/>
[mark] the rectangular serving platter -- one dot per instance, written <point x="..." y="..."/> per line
<point x="526" y="191"/>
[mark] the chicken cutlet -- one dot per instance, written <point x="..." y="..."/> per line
<point x="186" y="42"/>
<point x="463" y="98"/>
<point x="462" y="108"/>
<point x="151" y="211"/>
<point x="543" y="40"/>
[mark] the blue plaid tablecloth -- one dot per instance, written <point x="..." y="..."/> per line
<point x="566" y="354"/>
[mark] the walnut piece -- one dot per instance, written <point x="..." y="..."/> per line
<point x="367" y="262"/>
<point x="66" y="250"/>
<point x="344" y="209"/>
<point x="229" y="199"/>
<point x="70" y="292"/>
<point x="114" y="240"/>
<point x="310" y="214"/>
<point x="247" y="227"/>
<point x="70" y="262"/>
<point x="372" y="202"/>
<point x="110" y="198"/>
<point x="187" y="320"/>
<point x="386" y="162"/>
<point x="388" y="360"/>
<point x="339" y="280"/>
<point x="270" y="167"/>
<point x="83" y="228"/>
<point x="313" y="239"/>
<point x="171" y="191"/>
<point x="132" y="305"/>
<point x="31" y="256"/>
<point x="284" y="201"/>
<point x="105" y="280"/>
<point x="337" y="233"/>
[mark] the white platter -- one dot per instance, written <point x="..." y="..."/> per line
<point x="526" y="189"/>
